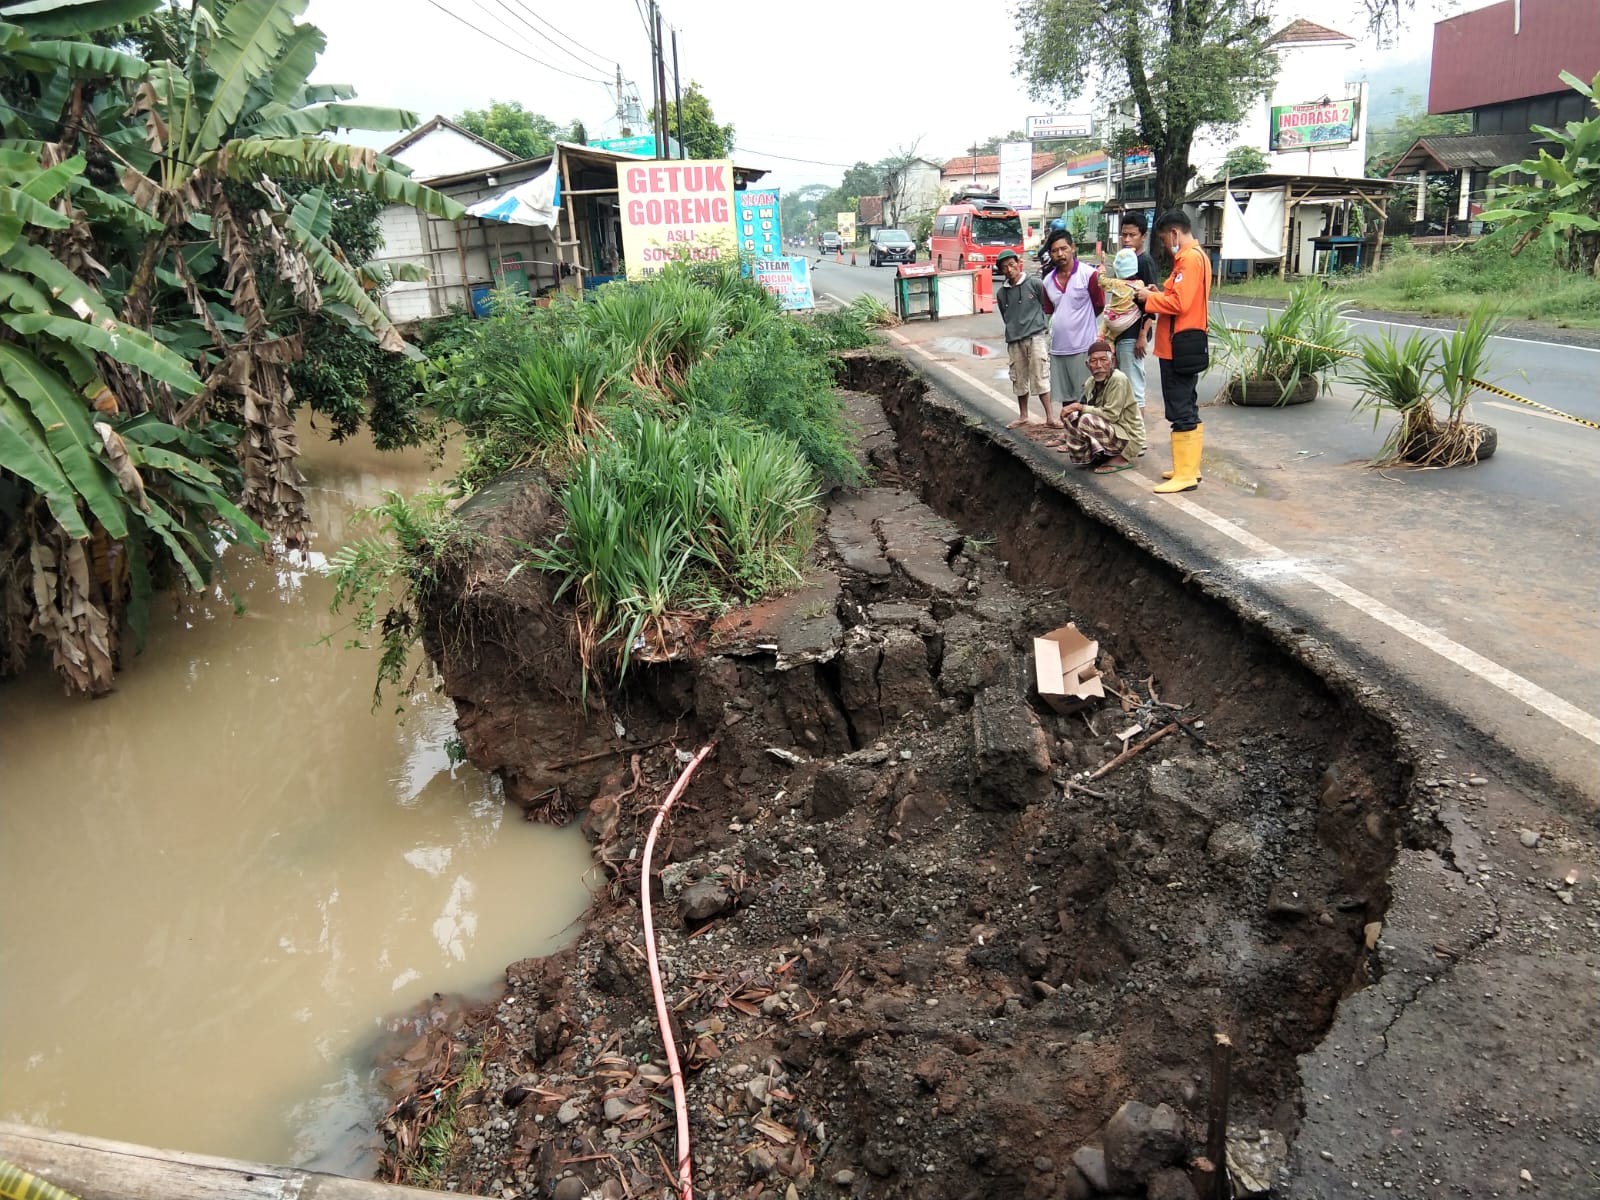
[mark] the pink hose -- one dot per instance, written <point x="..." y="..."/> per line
<point x="680" y="1099"/>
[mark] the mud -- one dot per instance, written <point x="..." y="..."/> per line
<point x="910" y="946"/>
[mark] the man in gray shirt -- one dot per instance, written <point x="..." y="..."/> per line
<point x="1026" y="311"/>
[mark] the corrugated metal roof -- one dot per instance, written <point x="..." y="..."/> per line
<point x="1482" y="57"/>
<point x="1453" y="152"/>
<point x="1307" y="31"/>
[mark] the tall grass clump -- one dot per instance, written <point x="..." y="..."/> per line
<point x="665" y="521"/>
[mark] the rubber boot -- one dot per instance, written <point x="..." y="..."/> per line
<point x="1185" y="462"/>
<point x="1197" y="475"/>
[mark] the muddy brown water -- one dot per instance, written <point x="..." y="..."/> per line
<point x="226" y="882"/>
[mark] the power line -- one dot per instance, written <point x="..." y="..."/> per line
<point x="594" y="54"/>
<point x="514" y="50"/>
<point x="815" y="162"/>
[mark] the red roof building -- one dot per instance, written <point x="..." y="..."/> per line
<point x="989" y="165"/>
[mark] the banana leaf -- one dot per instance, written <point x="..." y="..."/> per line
<point x="325" y="118"/>
<point x="74" y="18"/>
<point x="252" y="36"/>
<point x="24" y="452"/>
<point x="67" y="431"/>
<point x="317" y="161"/>
<point x="83" y="59"/>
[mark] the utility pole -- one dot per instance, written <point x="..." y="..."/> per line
<point x="622" y="107"/>
<point x="677" y="93"/>
<point x="657" y="125"/>
<point x="664" y="146"/>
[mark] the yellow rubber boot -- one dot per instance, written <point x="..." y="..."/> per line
<point x="1185" y="462"/>
<point x="1199" y="477"/>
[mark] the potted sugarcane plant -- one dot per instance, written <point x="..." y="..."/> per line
<point x="1426" y="382"/>
<point x="1296" y="350"/>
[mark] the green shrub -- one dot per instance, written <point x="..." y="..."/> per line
<point x="776" y="381"/>
<point x="664" y="520"/>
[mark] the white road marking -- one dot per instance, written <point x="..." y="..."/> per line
<point x="1521" y="410"/>
<point x="1504" y="337"/>
<point x="1584" y="724"/>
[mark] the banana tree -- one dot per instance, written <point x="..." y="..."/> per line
<point x="96" y="508"/>
<point x="1560" y="207"/>
<point x="128" y="188"/>
<point x="221" y="122"/>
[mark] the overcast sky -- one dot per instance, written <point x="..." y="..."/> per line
<point x="825" y="84"/>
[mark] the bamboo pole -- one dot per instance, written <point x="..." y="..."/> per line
<point x="1288" y="211"/>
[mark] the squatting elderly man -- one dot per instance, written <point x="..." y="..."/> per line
<point x="1105" y="429"/>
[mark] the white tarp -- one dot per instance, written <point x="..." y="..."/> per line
<point x="536" y="201"/>
<point x="1257" y="232"/>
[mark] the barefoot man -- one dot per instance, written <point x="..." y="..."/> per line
<point x="1026" y="311"/>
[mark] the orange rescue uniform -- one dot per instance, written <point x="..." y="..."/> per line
<point x="1183" y="304"/>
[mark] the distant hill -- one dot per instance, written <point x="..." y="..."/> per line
<point x="1391" y="87"/>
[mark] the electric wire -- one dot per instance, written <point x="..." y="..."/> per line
<point x="815" y="162"/>
<point x="548" y="66"/>
<point x="593" y="54"/>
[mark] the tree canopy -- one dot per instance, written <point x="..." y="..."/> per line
<point x="513" y="128"/>
<point x="701" y="136"/>
<point x="1387" y="143"/>
<point x="1186" y="65"/>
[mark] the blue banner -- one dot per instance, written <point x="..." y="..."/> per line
<point x="760" y="235"/>
<point x="788" y="278"/>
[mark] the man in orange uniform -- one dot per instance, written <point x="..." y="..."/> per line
<point x="1182" y="315"/>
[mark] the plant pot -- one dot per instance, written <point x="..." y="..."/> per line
<point x="1267" y="392"/>
<point x="1434" y="447"/>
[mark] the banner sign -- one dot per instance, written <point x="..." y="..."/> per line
<point x="676" y="212"/>
<point x="760" y="234"/>
<point x="1016" y="175"/>
<point x="1313" y="126"/>
<point x="1088" y="164"/>
<point x="1060" y="125"/>
<point x="644" y="144"/>
<point x="788" y="278"/>
<point x="847" y="228"/>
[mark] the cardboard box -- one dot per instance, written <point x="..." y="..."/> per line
<point x="1063" y="663"/>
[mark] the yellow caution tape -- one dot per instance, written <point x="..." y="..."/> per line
<point x="1477" y="383"/>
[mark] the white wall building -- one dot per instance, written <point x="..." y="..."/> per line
<point x="1315" y="63"/>
<point x="441" y="147"/>
<point x="911" y="190"/>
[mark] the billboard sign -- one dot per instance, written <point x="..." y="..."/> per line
<point x="676" y="211"/>
<point x="760" y="234"/>
<point x="788" y="277"/>
<point x="1016" y="175"/>
<point x="1313" y="126"/>
<point x="847" y="228"/>
<point x="1060" y="125"/>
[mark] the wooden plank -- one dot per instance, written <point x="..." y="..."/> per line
<point x="98" y="1169"/>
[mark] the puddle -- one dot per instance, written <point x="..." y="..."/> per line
<point x="1229" y="473"/>
<point x="955" y="345"/>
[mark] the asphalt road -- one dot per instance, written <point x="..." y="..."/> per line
<point x="1542" y="458"/>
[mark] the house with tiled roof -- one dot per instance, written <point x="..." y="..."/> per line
<point x="982" y="173"/>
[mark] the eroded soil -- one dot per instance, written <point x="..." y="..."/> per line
<point x="910" y="946"/>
